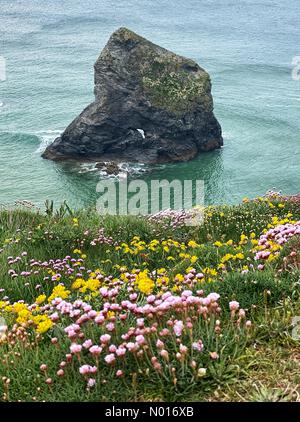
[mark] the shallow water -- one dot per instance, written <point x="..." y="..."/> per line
<point x="246" y="46"/>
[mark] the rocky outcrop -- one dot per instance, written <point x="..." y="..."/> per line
<point x="151" y="106"/>
<point x="110" y="168"/>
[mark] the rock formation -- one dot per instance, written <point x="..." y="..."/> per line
<point x="151" y="106"/>
<point x="110" y="167"/>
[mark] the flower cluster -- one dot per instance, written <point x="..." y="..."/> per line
<point x="163" y="331"/>
<point x="272" y="241"/>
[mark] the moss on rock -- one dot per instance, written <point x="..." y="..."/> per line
<point x="175" y="83"/>
<point x="175" y="91"/>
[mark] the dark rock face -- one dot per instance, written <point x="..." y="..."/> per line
<point x="151" y="106"/>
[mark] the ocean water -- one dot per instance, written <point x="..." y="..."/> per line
<point x="247" y="46"/>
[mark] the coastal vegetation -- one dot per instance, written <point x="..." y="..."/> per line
<point x="176" y="83"/>
<point x="103" y="308"/>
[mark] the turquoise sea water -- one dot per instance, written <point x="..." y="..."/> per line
<point x="247" y="46"/>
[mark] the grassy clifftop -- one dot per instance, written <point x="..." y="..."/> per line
<point x="166" y="311"/>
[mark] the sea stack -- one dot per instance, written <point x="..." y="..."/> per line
<point x="151" y="106"/>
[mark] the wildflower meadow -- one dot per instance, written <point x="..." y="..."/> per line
<point x="108" y="308"/>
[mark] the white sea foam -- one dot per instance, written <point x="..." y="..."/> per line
<point x="135" y="168"/>
<point x="87" y="168"/>
<point x="124" y="169"/>
<point x="227" y="135"/>
<point x="46" y="137"/>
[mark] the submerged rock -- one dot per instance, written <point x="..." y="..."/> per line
<point x="151" y="106"/>
<point x="110" y="167"/>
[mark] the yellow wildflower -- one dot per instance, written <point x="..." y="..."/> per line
<point x="59" y="291"/>
<point x="192" y="244"/>
<point x="79" y="282"/>
<point x="179" y="278"/>
<point x="44" y="325"/>
<point x="40" y="299"/>
<point x="194" y="258"/>
<point x="144" y="283"/>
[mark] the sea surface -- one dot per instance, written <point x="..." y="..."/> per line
<point x="247" y="46"/>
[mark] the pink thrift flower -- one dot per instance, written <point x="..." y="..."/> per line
<point x="214" y="297"/>
<point x="119" y="373"/>
<point x="164" y="354"/>
<point x="198" y="346"/>
<point x="140" y="322"/>
<point x="99" y="319"/>
<point x="214" y="355"/>
<point x="92" y="314"/>
<point x="242" y="313"/>
<point x="60" y="373"/>
<point x="84" y="369"/>
<point x="130" y="346"/>
<point x="234" y="305"/>
<point x="183" y="349"/>
<point x="75" y="348"/>
<point x="160" y="344"/>
<point x="95" y="350"/>
<point x="140" y="340"/>
<point x="87" y="344"/>
<point x="104" y="291"/>
<point x="91" y="382"/>
<point x="112" y="348"/>
<point x="187" y="293"/>
<point x="93" y="369"/>
<point x="151" y="299"/>
<point x="105" y="338"/>
<point x="68" y="357"/>
<point x="110" y="326"/>
<point x="120" y="351"/>
<point x="178" y="327"/>
<point x="54" y="317"/>
<point x="110" y="359"/>
<point x="164" y="332"/>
